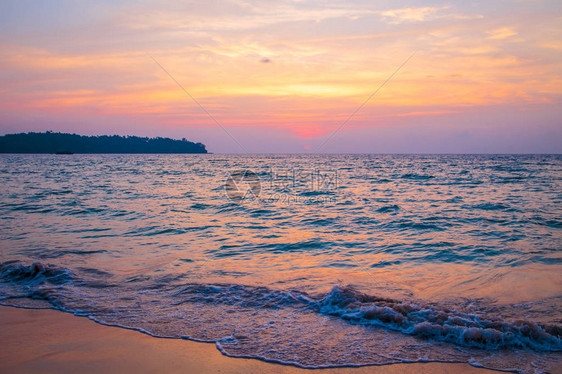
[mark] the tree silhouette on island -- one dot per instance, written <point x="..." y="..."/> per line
<point x="61" y="143"/>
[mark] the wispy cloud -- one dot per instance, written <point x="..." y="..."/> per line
<point x="411" y="14"/>
<point x="502" y="33"/>
<point x="240" y="18"/>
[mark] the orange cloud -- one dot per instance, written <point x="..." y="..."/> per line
<point x="501" y="33"/>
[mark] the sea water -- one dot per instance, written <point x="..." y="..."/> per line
<point x="309" y="260"/>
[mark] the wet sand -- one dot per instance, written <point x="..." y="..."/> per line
<point x="49" y="341"/>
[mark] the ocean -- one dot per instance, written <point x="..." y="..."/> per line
<point x="309" y="260"/>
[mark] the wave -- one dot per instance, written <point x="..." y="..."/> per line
<point x="403" y="316"/>
<point x="415" y="176"/>
<point x="346" y="303"/>
<point x="282" y="325"/>
<point x="439" y="324"/>
<point x="36" y="273"/>
<point x="388" y="208"/>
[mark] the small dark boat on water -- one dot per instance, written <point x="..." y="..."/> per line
<point x="64" y="153"/>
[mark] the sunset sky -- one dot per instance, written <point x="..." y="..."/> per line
<point x="282" y="76"/>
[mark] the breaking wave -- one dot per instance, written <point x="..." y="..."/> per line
<point x="439" y="324"/>
<point x="346" y="303"/>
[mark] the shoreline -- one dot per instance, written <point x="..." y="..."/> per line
<point x="51" y="341"/>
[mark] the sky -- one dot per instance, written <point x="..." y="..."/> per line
<point x="289" y="76"/>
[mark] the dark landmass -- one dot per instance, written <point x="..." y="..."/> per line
<point x="60" y="143"/>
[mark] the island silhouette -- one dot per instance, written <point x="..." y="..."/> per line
<point x="62" y="143"/>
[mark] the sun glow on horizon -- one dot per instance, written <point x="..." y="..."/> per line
<point x="292" y="68"/>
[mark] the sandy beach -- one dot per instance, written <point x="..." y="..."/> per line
<point x="49" y="341"/>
